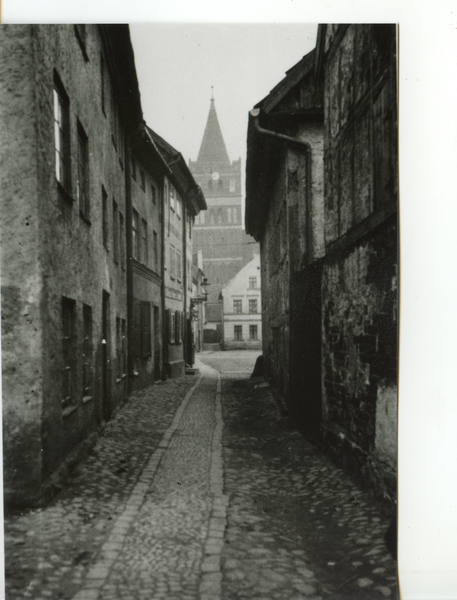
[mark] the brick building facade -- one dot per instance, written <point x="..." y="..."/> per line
<point x="322" y="200"/>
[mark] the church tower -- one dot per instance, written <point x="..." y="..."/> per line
<point x="218" y="231"/>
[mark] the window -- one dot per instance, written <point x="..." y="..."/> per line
<point x="178" y="207"/>
<point x="121" y="241"/>
<point x="202" y="218"/>
<point x="133" y="168"/>
<point x="238" y="332"/>
<point x="124" y="346"/>
<point x="117" y="130"/>
<point x="219" y="217"/>
<point x="80" y="32"/>
<point x="155" y="250"/>
<point x="135" y="234"/>
<point x="235" y="215"/>
<point x="211" y="219"/>
<point x="68" y="351"/>
<point x="178" y="327"/>
<point x="103" y="81"/>
<point x="253" y="306"/>
<point x="171" y="318"/>
<point x="87" y="351"/>
<point x="118" y="348"/>
<point x="105" y="217"/>
<point x="229" y="215"/>
<point x="189" y="225"/>
<point x="172" y="198"/>
<point x="144" y="242"/>
<point x="153" y="194"/>
<point x="61" y="134"/>
<point x="252" y="283"/>
<point x="237" y="307"/>
<point x="253" y="332"/>
<point x="142" y="180"/>
<point x="232" y="185"/>
<point x="115" y="233"/>
<point x="172" y="261"/>
<point x="142" y="328"/>
<point x="178" y="265"/>
<point x="83" y="172"/>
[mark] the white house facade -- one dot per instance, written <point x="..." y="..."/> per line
<point x="242" y="309"/>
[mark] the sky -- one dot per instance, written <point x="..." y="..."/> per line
<point x="180" y="65"/>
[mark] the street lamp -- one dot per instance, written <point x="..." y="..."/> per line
<point x="203" y="298"/>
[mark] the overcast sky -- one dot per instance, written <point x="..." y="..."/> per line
<point x="178" y="63"/>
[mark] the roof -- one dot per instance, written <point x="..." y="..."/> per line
<point x="180" y="174"/>
<point x="294" y="101"/>
<point x="212" y="149"/>
<point x="120" y="60"/>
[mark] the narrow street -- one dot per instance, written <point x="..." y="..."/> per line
<point x="200" y="488"/>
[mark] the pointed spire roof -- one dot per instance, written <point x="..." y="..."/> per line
<point x="212" y="149"/>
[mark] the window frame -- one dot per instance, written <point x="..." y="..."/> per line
<point x="144" y="242"/>
<point x="62" y="135"/>
<point x="115" y="232"/>
<point x="253" y="303"/>
<point x="69" y="346"/>
<point x="135" y="235"/>
<point x="252" y="329"/>
<point x="87" y="354"/>
<point x="238" y="333"/>
<point x="83" y="188"/>
<point x="105" y="221"/>
<point x="237" y="304"/>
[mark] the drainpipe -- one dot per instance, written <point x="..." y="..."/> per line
<point x="162" y="289"/>
<point x="255" y="112"/>
<point x="129" y="267"/>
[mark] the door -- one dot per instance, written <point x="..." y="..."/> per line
<point x="305" y="351"/>
<point x="106" y="368"/>
<point x="157" y="369"/>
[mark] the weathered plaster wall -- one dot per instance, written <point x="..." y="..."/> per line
<point x="73" y="261"/>
<point x="360" y="321"/>
<point x="22" y="279"/>
<point x="359" y="283"/>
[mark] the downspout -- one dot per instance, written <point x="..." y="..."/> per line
<point x="129" y="267"/>
<point x="255" y="112"/>
<point x="162" y="288"/>
<point x="184" y="278"/>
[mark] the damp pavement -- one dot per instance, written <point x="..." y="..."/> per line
<point x="200" y="488"/>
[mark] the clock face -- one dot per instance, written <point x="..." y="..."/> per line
<point x="215" y="176"/>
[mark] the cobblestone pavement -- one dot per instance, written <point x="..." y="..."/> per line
<point x="298" y="527"/>
<point x="200" y="489"/>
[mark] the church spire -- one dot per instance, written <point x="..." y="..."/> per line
<point x="212" y="149"/>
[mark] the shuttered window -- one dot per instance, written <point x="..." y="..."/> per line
<point x="142" y="328"/>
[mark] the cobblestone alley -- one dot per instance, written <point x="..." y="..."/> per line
<point x="199" y="488"/>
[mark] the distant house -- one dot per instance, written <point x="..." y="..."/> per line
<point x="219" y="232"/>
<point x="241" y="309"/>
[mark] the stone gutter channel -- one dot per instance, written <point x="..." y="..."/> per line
<point x="210" y="587"/>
